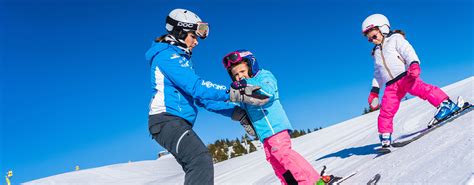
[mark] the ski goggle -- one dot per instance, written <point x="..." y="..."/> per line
<point x="232" y="58"/>
<point x="200" y="28"/>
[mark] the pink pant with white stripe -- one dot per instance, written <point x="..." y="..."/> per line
<point x="394" y="93"/>
<point x="282" y="158"/>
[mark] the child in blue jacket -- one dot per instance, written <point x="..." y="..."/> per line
<point x="269" y="120"/>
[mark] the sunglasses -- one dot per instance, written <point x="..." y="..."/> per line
<point x="371" y="39"/>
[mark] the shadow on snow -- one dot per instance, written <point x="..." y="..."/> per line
<point x="348" y="152"/>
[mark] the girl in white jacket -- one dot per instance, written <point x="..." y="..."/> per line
<point x="397" y="66"/>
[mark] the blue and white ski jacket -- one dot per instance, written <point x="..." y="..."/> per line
<point x="270" y="118"/>
<point x="176" y="87"/>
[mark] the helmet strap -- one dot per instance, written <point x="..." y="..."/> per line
<point x="230" y="74"/>
<point x="250" y="70"/>
<point x="171" y="39"/>
<point x="180" y="35"/>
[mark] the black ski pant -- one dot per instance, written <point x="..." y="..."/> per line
<point x="175" y="134"/>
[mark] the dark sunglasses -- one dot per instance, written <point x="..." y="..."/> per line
<point x="373" y="38"/>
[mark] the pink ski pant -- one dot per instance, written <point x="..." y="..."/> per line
<point x="394" y="93"/>
<point x="282" y="158"/>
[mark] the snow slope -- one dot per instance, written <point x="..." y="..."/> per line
<point x="445" y="156"/>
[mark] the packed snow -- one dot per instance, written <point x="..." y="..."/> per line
<point x="444" y="156"/>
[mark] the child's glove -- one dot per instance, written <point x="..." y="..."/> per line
<point x="414" y="70"/>
<point x="240" y="91"/>
<point x="374" y="98"/>
<point x="240" y="115"/>
<point x="239" y="84"/>
<point x="248" y="95"/>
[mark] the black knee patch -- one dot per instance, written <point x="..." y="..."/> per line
<point x="290" y="180"/>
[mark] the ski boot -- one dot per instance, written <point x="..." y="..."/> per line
<point x="327" y="179"/>
<point x="385" y="139"/>
<point x="446" y="109"/>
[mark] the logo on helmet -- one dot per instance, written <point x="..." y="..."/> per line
<point x="185" y="24"/>
<point x="245" y="53"/>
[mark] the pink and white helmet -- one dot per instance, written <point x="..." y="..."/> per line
<point x="376" y="20"/>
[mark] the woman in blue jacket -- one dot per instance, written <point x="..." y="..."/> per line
<point x="177" y="90"/>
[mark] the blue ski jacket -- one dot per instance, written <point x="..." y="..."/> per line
<point x="270" y="118"/>
<point x="176" y="89"/>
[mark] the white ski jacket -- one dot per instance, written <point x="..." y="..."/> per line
<point x="391" y="59"/>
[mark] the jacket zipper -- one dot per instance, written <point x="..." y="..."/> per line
<point x="403" y="61"/>
<point x="383" y="61"/>
<point x="179" y="101"/>
<point x="268" y="122"/>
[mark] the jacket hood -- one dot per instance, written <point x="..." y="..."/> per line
<point x="158" y="47"/>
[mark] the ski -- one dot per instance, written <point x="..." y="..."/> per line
<point x="402" y="141"/>
<point x="374" y="179"/>
<point x="382" y="151"/>
<point x="331" y="179"/>
<point x="467" y="107"/>
<point x="346" y="177"/>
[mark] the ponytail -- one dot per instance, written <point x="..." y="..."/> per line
<point x="160" y="38"/>
<point x="400" y="32"/>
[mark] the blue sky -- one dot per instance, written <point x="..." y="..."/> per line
<point x="75" y="85"/>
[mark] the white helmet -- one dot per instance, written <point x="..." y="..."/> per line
<point x="376" y="20"/>
<point x="181" y="21"/>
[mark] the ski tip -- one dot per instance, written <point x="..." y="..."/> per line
<point x="375" y="179"/>
<point x="467" y="105"/>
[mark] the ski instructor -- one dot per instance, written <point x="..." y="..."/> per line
<point x="176" y="90"/>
